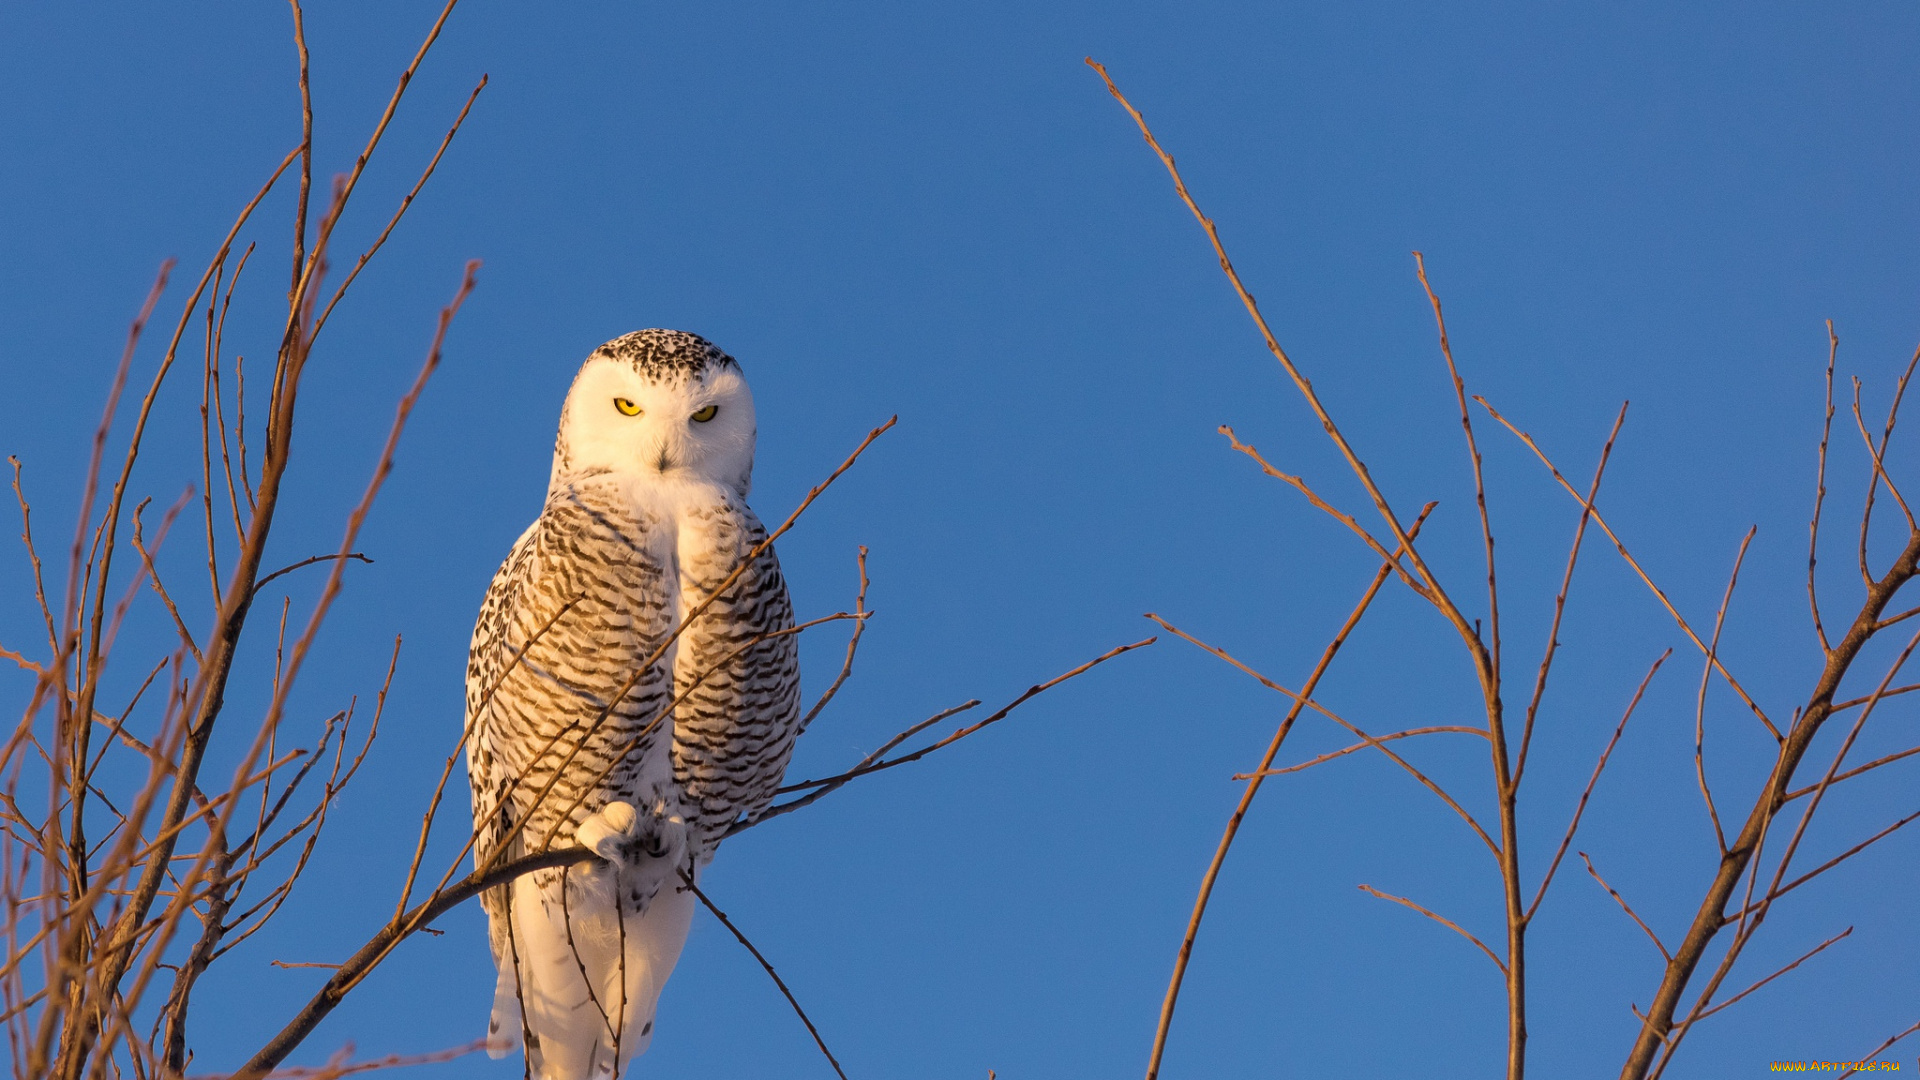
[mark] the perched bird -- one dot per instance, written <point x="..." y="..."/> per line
<point x="624" y="694"/>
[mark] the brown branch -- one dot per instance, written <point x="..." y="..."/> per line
<point x="1875" y="1053"/>
<point x="1356" y="747"/>
<point x="902" y="736"/>
<point x="1174" y="982"/>
<point x="401" y="211"/>
<point x="1878" y="456"/>
<point x="209" y="686"/>
<point x="1624" y="906"/>
<point x="1777" y="893"/>
<point x="1853" y="772"/>
<point x="1581" y="808"/>
<point x="1621" y="546"/>
<point x="774" y="975"/>
<point x="1479" y="481"/>
<point x="1896" y="691"/>
<point x="1313" y="497"/>
<point x="240" y="598"/>
<point x="1879" y="471"/>
<point x="356" y="967"/>
<point x="821" y="788"/>
<point x="1486" y="670"/>
<point x="1820" y="496"/>
<point x="1808" y="955"/>
<point x="853" y="646"/>
<point x="1708" y="920"/>
<point x="309" y="561"/>
<point x="1300" y="380"/>
<point x="1441" y="919"/>
<point x="338" y="1065"/>
<point x="1700" y="702"/>
<point x="1372" y="741"/>
<point x="307" y="275"/>
<point x="1560" y="599"/>
<point x="33" y="557"/>
<point x="153" y="572"/>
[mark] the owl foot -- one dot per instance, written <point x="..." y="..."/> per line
<point x="623" y="835"/>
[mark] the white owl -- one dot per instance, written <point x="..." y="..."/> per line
<point x="573" y="737"/>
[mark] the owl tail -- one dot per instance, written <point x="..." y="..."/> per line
<point x="589" y="978"/>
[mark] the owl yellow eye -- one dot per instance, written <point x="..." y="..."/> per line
<point x="706" y="414"/>
<point x="627" y="408"/>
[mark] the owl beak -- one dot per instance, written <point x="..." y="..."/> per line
<point x="664" y="461"/>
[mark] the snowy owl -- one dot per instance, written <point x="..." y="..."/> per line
<point x="574" y="737"/>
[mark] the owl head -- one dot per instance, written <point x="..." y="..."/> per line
<point x="658" y="406"/>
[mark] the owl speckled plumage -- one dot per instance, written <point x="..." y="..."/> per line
<point x="573" y="736"/>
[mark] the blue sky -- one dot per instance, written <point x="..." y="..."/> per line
<point x="937" y="211"/>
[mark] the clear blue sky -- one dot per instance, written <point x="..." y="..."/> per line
<point x="937" y="211"/>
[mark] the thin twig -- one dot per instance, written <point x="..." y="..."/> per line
<point x="821" y="788"/>
<point x="1808" y="955"/>
<point x="1359" y="746"/>
<point x="1580" y="809"/>
<point x="1560" y="598"/>
<point x="1624" y="906"/>
<point x="1700" y="701"/>
<point x="1621" y="546"/>
<point x="1876" y="1051"/>
<point x="309" y="561"/>
<point x="1441" y="919"/>
<point x="1820" y="496"/>
<point x="1171" y="1000"/>
<point x="774" y="975"/>
<point x="1372" y="741"/>
<point x="1473" y="455"/>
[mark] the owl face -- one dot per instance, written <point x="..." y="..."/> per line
<point x="659" y="407"/>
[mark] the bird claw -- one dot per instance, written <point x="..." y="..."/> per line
<point x="618" y="832"/>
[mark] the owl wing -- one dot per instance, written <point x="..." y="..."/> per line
<point x="738" y="689"/>
<point x="560" y="718"/>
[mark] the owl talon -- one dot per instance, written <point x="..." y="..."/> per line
<point x="609" y="832"/>
<point x="618" y="833"/>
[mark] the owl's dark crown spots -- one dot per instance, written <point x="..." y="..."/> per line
<point x="666" y="354"/>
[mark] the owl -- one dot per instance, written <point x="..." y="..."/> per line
<point x="633" y="687"/>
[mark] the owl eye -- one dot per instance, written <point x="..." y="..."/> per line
<point x="627" y="408"/>
<point x="706" y="414"/>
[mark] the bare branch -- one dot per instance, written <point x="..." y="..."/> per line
<point x="1624" y="906"/>
<point x="356" y="967"/>
<point x="1808" y="955"/>
<point x="1313" y="497"/>
<point x="1700" y="702"/>
<point x="1473" y="454"/>
<point x="1853" y="772"/>
<point x="1344" y="751"/>
<point x="309" y="561"/>
<point x="1621" y="546"/>
<point x="1560" y="598"/>
<point x="1875" y="1053"/>
<point x="853" y="646"/>
<point x="1343" y="722"/>
<point x="1441" y="919"/>
<point x="1820" y="496"/>
<point x="774" y="975"/>
<point x="1877" y="454"/>
<point x="1775" y="894"/>
<point x="821" y="788"/>
<point x="1174" y="982"/>
<point x="1580" y="809"/>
